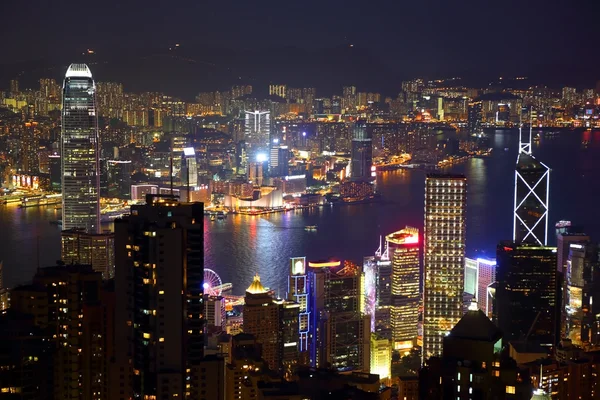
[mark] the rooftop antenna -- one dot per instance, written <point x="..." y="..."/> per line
<point x="172" y="136"/>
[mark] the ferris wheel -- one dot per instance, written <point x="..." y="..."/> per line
<point x="213" y="286"/>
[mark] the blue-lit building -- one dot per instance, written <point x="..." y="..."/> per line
<point x="298" y="292"/>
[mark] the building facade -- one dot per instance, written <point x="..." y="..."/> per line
<point x="444" y="253"/>
<point x="79" y="151"/>
<point x="159" y="288"/>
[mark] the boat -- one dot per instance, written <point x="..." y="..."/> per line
<point x="310" y="228"/>
<point x="56" y="222"/>
<point x="212" y="217"/>
<point x="506" y="149"/>
<point x="221" y="215"/>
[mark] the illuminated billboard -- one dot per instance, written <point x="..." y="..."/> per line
<point x="298" y="265"/>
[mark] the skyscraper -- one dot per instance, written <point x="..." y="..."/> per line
<point x="474" y="117"/>
<point x="298" y="292"/>
<point x="480" y="273"/>
<point x="79" y="155"/>
<point x="444" y="248"/>
<point x="274" y="324"/>
<point x="95" y="249"/>
<point x="528" y="293"/>
<point x="159" y="288"/>
<point x="403" y="250"/>
<point x="532" y="184"/>
<point x="362" y="152"/>
<point x="339" y="331"/>
<point x="257" y="129"/>
<point x="118" y="179"/>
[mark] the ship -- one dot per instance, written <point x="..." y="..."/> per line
<point x="310" y="228"/>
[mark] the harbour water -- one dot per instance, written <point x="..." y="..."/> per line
<point x="241" y="245"/>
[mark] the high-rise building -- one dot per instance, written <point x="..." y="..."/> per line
<point x="279" y="160"/>
<point x="532" y="181"/>
<point x="278" y="90"/>
<point x="95" y="249"/>
<point x="474" y="117"/>
<point x="159" y="276"/>
<point x="381" y="357"/>
<point x="189" y="168"/>
<point x="480" y="273"/>
<point x="70" y="302"/>
<point x="563" y="243"/>
<point x="54" y="162"/>
<point x="362" y="152"/>
<point x="339" y="330"/>
<point x="404" y="252"/>
<point x="528" y="297"/>
<point x="14" y="86"/>
<point x="29" y="149"/>
<point x="582" y="281"/>
<point x="298" y="292"/>
<point x="255" y="173"/>
<point x="257" y="129"/>
<point x="118" y="179"/>
<point x="472" y="367"/>
<point x="444" y="253"/>
<point x="274" y="324"/>
<point x="215" y="314"/>
<point x="79" y="143"/>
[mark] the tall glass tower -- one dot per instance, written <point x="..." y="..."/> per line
<point x="79" y="151"/>
<point x="532" y="184"/>
<point x="444" y="254"/>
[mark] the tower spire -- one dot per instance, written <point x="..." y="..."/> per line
<point x="525" y="143"/>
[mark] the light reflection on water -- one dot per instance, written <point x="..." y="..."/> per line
<point x="241" y="246"/>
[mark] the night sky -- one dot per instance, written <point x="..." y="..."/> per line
<point x="302" y="42"/>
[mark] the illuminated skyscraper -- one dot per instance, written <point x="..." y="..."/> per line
<point x="479" y="275"/>
<point x="444" y="248"/>
<point x="79" y="155"/>
<point x="95" y="249"/>
<point x="257" y="129"/>
<point x="474" y="117"/>
<point x="362" y="152"/>
<point x="298" y="292"/>
<point x="339" y="331"/>
<point x="403" y="250"/>
<point x="274" y="324"/>
<point x="278" y="90"/>
<point x="532" y="190"/>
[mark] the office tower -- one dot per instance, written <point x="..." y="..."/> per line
<point x="381" y="357"/>
<point x="159" y="288"/>
<point x="362" y="152"/>
<point x="404" y="251"/>
<point x="215" y="314"/>
<point x="339" y="331"/>
<point x="480" y="273"/>
<point x="563" y="243"/>
<point x="474" y="117"/>
<point x="528" y="294"/>
<point x="274" y="324"/>
<point x="279" y="160"/>
<point x="79" y="151"/>
<point x="70" y="303"/>
<point x="582" y="286"/>
<point x="255" y="173"/>
<point x="257" y="128"/>
<point x="29" y="148"/>
<point x="189" y="168"/>
<point x="55" y="172"/>
<point x="444" y="248"/>
<point x="278" y="90"/>
<point x="472" y="367"/>
<point x="213" y="381"/>
<point x="95" y="249"/>
<point x="486" y="276"/>
<point x="118" y="179"/>
<point x="298" y="292"/>
<point x="532" y="191"/>
<point x="14" y="86"/>
<point x="471" y="277"/>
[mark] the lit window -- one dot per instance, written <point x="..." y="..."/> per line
<point x="161" y="292"/>
<point x="146" y="335"/>
<point x="510" y="390"/>
<point x="496" y="373"/>
<point x="162" y="339"/>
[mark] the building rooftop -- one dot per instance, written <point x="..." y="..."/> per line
<point x="475" y="325"/>
<point x="256" y="287"/>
